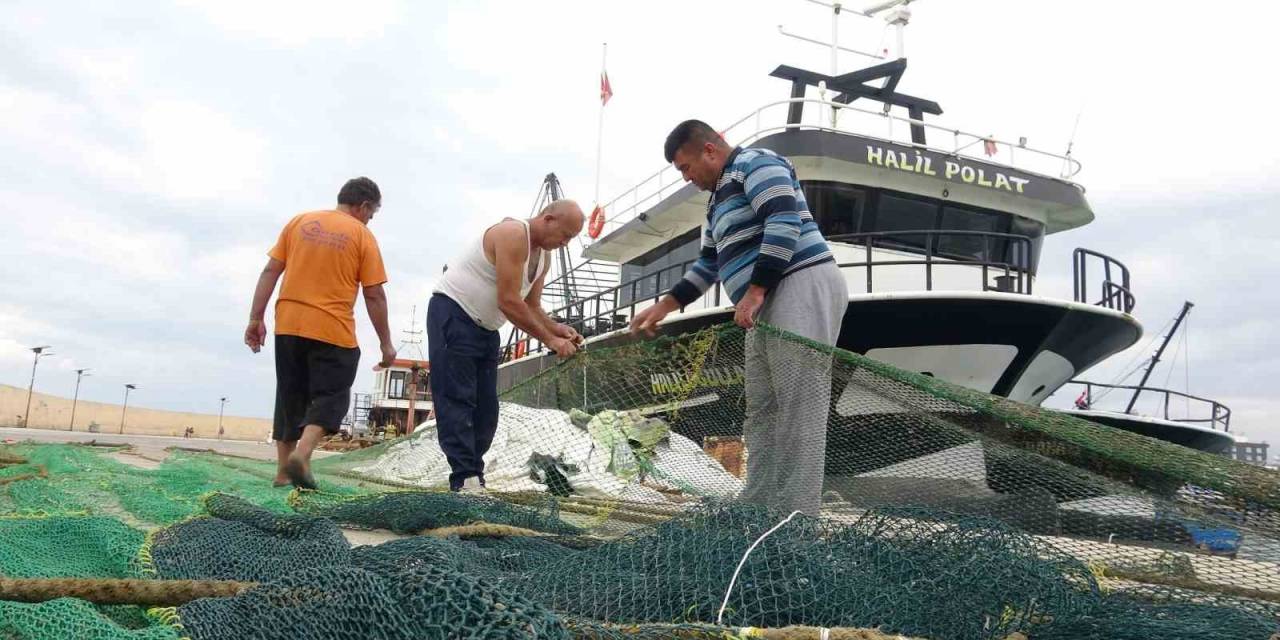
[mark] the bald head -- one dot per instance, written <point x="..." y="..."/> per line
<point x="564" y="209"/>
<point x="556" y="224"/>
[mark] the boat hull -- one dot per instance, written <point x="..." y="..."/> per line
<point x="1016" y="346"/>
<point x="1187" y="435"/>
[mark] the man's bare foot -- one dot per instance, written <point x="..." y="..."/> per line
<point x="299" y="473"/>
<point x="280" y="480"/>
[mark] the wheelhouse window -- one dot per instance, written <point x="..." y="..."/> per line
<point x="842" y="209"/>
<point x="963" y="246"/>
<point x="395" y="385"/>
<point x="899" y="213"/>
<point x="836" y="207"/>
<point x="1030" y="229"/>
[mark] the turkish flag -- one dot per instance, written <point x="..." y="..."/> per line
<point x="606" y="91"/>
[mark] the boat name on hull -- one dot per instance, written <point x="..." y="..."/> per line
<point x="675" y="383"/>
<point x="952" y="170"/>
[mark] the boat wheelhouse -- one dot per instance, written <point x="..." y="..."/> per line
<point x="938" y="232"/>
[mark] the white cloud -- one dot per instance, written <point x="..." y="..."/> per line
<point x="292" y="23"/>
<point x="1254" y="418"/>
<point x="13" y="352"/>
<point x="195" y="152"/>
<point x="67" y="233"/>
<point x="143" y="187"/>
<point x="177" y="149"/>
<point x="28" y="111"/>
<point x="231" y="271"/>
<point x="20" y="331"/>
<point x="103" y="70"/>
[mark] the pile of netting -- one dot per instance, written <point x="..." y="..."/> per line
<point x="612" y="513"/>
<point x="75" y="511"/>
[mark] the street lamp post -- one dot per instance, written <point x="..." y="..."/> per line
<point x="127" y="389"/>
<point x="80" y="373"/>
<point x="222" y="403"/>
<point x="40" y="353"/>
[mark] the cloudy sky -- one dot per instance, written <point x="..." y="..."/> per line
<point x="153" y="150"/>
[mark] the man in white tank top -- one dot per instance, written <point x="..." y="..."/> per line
<point x="492" y="281"/>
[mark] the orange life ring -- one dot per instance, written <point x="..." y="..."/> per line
<point x="596" y="224"/>
<point x="520" y="348"/>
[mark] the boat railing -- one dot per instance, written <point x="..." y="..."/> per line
<point x="1013" y="274"/>
<point x="1115" y="289"/>
<point x="1008" y="272"/>
<point x="605" y="311"/>
<point x="1212" y="413"/>
<point x="653" y="189"/>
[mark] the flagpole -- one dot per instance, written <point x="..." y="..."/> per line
<point x="600" y="125"/>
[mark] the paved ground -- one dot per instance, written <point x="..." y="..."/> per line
<point x="152" y="446"/>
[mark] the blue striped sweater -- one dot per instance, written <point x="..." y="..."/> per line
<point x="758" y="229"/>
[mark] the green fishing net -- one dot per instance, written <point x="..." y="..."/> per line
<point x="615" y="510"/>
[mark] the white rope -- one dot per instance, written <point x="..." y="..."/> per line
<point x="743" y="561"/>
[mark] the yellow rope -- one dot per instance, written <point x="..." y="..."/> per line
<point x="708" y="632"/>
<point x="118" y="590"/>
<point x="482" y="530"/>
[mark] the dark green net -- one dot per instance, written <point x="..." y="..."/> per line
<point x="946" y="513"/>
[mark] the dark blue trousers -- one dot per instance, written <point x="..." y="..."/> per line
<point x="464" y="386"/>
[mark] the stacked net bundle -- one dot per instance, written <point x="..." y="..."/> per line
<point x="416" y="511"/>
<point x="71" y="546"/>
<point x="41" y="538"/>
<point x="244" y="542"/>
<point x="83" y="480"/>
<point x="616" y="510"/>
<point x="945" y="513"/>
<point x="72" y="511"/>
<point x="885" y="569"/>
<point x="908" y="571"/>
<point x="312" y="584"/>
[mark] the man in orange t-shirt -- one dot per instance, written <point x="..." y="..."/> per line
<point x="325" y="257"/>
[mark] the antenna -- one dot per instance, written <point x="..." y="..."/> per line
<point x="877" y="8"/>
<point x="783" y="30"/>
<point x="1066" y="162"/>
<point x="414" y="335"/>
<point x="834" y="46"/>
<point x="837" y="10"/>
<point x="898" y="18"/>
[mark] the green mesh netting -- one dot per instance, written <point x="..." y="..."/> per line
<point x="71" y="546"/>
<point x="244" y="542"/>
<point x="76" y="479"/>
<point x="68" y="546"/>
<point x="415" y="511"/>
<point x="315" y="586"/>
<point x="73" y="511"/>
<point x="615" y="511"/>
<point x="1079" y="519"/>
<point x="68" y="618"/>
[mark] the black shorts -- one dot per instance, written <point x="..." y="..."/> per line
<point x="313" y="385"/>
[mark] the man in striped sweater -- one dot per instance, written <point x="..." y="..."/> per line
<point x="762" y="244"/>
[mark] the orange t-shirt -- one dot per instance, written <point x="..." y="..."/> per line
<point x="326" y="254"/>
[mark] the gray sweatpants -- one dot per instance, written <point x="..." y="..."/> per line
<point x="788" y="390"/>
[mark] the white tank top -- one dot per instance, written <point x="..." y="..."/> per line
<point x="472" y="282"/>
